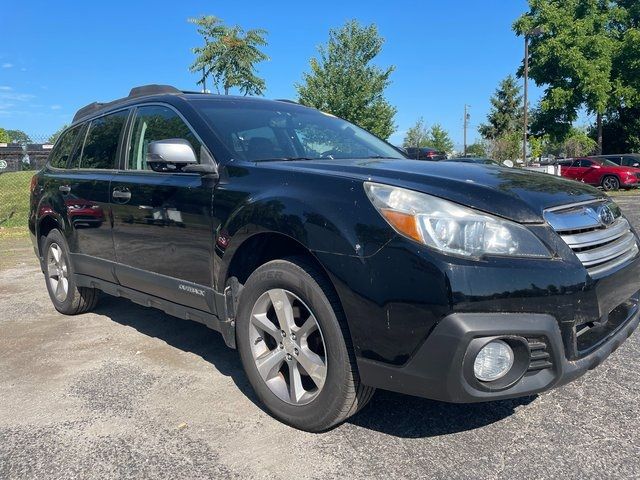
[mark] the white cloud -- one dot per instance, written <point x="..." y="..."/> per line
<point x="56" y="107"/>
<point x="4" y="88"/>
<point x="7" y="65"/>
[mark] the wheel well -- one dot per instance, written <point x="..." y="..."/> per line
<point x="46" y="224"/>
<point x="262" y="248"/>
<point x="610" y="175"/>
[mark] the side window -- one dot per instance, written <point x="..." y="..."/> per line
<point x="64" y="148"/>
<point x="101" y="144"/>
<point x="153" y="123"/>
<point x="586" y="163"/>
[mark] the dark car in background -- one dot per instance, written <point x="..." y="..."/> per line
<point x="624" y="160"/>
<point x="600" y="172"/>
<point x="425" y="153"/>
<point x="334" y="264"/>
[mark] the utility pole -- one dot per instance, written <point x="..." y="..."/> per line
<point x="204" y="81"/>
<point x="526" y="105"/>
<point x="533" y="33"/>
<point x="466" y="124"/>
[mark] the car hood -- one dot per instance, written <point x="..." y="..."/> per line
<point x="512" y="193"/>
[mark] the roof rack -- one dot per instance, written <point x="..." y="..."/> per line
<point x="152" y="89"/>
<point x="141" y="91"/>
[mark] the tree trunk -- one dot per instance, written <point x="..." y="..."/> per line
<point x="599" y="126"/>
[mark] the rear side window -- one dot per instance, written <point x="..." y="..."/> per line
<point x="64" y="148"/>
<point x="156" y="122"/>
<point x="101" y="144"/>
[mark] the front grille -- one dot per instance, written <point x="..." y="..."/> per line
<point x="601" y="246"/>
<point x="539" y="357"/>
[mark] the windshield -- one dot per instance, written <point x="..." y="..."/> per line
<point x="261" y="131"/>
<point x="607" y="163"/>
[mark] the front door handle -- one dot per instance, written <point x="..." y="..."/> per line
<point x="64" y="189"/>
<point x="121" y="194"/>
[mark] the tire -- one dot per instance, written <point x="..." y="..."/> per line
<point x="58" y="271"/>
<point x="610" y="182"/>
<point x="316" y="402"/>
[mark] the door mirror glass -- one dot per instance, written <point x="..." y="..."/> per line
<point x="171" y="154"/>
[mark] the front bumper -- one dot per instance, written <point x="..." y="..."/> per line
<point x="441" y="369"/>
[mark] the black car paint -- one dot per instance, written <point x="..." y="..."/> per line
<point x="394" y="291"/>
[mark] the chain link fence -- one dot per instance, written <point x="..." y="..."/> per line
<point x="18" y="163"/>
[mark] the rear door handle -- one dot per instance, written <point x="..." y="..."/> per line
<point x="121" y="194"/>
<point x="64" y="188"/>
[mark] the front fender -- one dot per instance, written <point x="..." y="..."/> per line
<point x="335" y="217"/>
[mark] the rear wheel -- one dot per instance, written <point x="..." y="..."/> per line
<point x="65" y="295"/>
<point x="295" y="346"/>
<point x="610" y="183"/>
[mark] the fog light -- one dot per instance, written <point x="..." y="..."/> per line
<point x="493" y="361"/>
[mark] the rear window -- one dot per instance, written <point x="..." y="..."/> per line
<point x="101" y="144"/>
<point x="64" y="148"/>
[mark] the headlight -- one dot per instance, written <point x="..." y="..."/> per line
<point x="451" y="228"/>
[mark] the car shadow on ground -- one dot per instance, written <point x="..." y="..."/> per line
<point x="390" y="413"/>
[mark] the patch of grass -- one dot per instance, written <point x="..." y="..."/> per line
<point x="634" y="192"/>
<point x="14" y="199"/>
<point x="14" y="232"/>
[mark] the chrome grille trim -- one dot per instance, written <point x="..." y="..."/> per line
<point x="599" y="247"/>
<point x="597" y="237"/>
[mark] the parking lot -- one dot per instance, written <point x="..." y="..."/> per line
<point x="129" y="392"/>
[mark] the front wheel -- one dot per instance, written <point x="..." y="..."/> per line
<point x="295" y="348"/>
<point x="610" y="183"/>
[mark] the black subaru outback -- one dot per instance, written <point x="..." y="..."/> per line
<point x="334" y="264"/>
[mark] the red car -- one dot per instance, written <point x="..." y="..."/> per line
<point x="600" y="172"/>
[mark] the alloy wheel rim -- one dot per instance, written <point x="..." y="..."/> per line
<point x="288" y="347"/>
<point x="609" y="183"/>
<point x="58" y="272"/>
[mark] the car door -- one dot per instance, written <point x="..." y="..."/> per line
<point x="585" y="171"/>
<point x="86" y="196"/>
<point x="162" y="223"/>
<point x="572" y="170"/>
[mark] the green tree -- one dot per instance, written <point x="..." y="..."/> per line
<point x="476" y="150"/>
<point x="4" y="136"/>
<point x="506" y="111"/>
<point x="343" y="81"/>
<point x="505" y="147"/>
<point x="578" y="144"/>
<point x="54" y="136"/>
<point x="229" y="55"/>
<point x="621" y="130"/>
<point x="416" y="136"/>
<point x="573" y="55"/>
<point x="18" y="136"/>
<point x="438" y="138"/>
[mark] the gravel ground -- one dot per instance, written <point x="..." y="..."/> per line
<point x="129" y="392"/>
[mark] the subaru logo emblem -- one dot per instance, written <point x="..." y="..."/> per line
<point x="605" y="215"/>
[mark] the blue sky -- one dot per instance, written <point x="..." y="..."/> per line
<point x="58" y="56"/>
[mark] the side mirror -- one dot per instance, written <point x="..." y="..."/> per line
<point x="596" y="167"/>
<point x="172" y="154"/>
<point x="508" y="163"/>
<point x="636" y="165"/>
